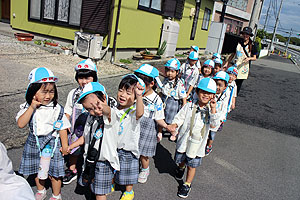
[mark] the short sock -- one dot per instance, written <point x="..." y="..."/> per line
<point x="145" y="169"/>
<point x="188" y="184"/>
<point x="43" y="191"/>
<point x="56" y="197"/>
<point x="182" y="168"/>
<point x="131" y="192"/>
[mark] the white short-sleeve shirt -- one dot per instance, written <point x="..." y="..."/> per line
<point x="183" y="120"/>
<point x="44" y="118"/>
<point x="189" y="75"/>
<point x="70" y="104"/>
<point x="153" y="104"/>
<point x="178" y="92"/>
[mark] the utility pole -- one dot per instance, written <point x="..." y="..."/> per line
<point x="254" y="14"/>
<point x="287" y="44"/>
<point x="275" y="28"/>
<point x="223" y="10"/>
<point x="267" y="16"/>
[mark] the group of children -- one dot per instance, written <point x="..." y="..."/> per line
<point x="117" y="137"/>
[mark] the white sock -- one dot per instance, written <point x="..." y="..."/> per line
<point x="43" y="191"/>
<point x="145" y="169"/>
<point x="56" y="197"/>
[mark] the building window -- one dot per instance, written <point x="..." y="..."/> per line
<point x="61" y="12"/>
<point x="206" y="19"/>
<point x="239" y="4"/>
<point x="233" y="26"/>
<point x="150" y="5"/>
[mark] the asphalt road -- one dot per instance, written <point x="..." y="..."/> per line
<point x="256" y="156"/>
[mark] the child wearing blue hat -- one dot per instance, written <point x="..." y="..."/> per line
<point x="218" y="65"/>
<point x="99" y="139"/>
<point x="173" y="92"/>
<point x="206" y="72"/>
<point x="190" y="72"/>
<point x="86" y="72"/>
<point x="232" y="88"/>
<point x="193" y="122"/>
<point x="196" y="49"/>
<point x="216" y="55"/>
<point x="48" y="132"/>
<point x="153" y="113"/>
<point x="221" y="98"/>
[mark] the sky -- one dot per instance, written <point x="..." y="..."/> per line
<point x="289" y="16"/>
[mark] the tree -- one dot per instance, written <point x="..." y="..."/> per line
<point x="261" y="33"/>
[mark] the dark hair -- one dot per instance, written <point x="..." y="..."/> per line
<point x="218" y="64"/>
<point x="146" y="79"/>
<point x="99" y="95"/>
<point x="85" y="73"/>
<point x="176" y="78"/>
<point x="34" y="87"/>
<point x="202" y="70"/>
<point x="127" y="82"/>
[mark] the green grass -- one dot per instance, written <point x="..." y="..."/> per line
<point x="126" y="61"/>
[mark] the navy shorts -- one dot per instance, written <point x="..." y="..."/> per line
<point x="212" y="135"/>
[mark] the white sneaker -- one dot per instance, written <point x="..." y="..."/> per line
<point x="143" y="176"/>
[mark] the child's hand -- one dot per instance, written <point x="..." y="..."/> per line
<point x="173" y="136"/>
<point x="138" y="89"/>
<point x="159" y="137"/>
<point x="232" y="106"/>
<point x="171" y="128"/>
<point x="65" y="150"/>
<point x="35" y="104"/>
<point x="98" y="108"/>
<point x="213" y="103"/>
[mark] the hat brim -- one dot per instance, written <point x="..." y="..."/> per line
<point x="251" y="34"/>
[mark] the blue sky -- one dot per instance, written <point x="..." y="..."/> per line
<point x="289" y="16"/>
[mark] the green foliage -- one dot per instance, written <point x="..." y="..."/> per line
<point x="281" y="38"/>
<point x="258" y="40"/>
<point x="180" y="55"/>
<point x="261" y="33"/>
<point x="295" y="41"/>
<point x="38" y="42"/>
<point x="126" y="61"/>
<point x="161" y="50"/>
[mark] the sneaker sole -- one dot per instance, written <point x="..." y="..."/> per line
<point x="142" y="180"/>
<point x="70" y="181"/>
<point x="178" y="179"/>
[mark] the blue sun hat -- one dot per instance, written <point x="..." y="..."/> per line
<point x="216" y="55"/>
<point x="42" y="75"/>
<point x="91" y="88"/>
<point x="232" y="70"/>
<point x="208" y="85"/>
<point x="218" y="61"/>
<point x="173" y="64"/>
<point x="195" y="48"/>
<point x="86" y="64"/>
<point x="193" y="55"/>
<point x="150" y="71"/>
<point x="209" y="63"/>
<point x="221" y="75"/>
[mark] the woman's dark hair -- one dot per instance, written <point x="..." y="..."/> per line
<point x="127" y="82"/>
<point x="202" y="70"/>
<point x="84" y="73"/>
<point x="146" y="79"/>
<point x="176" y="78"/>
<point x="32" y="90"/>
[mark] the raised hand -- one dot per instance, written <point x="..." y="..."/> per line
<point x="98" y="108"/>
<point x="35" y="103"/>
<point x="138" y="89"/>
<point x="213" y="103"/>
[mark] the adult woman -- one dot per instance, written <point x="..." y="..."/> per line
<point x="246" y="52"/>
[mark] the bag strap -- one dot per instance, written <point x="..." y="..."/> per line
<point x="93" y="141"/>
<point x="193" y="119"/>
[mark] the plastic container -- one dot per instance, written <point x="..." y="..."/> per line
<point x="45" y="162"/>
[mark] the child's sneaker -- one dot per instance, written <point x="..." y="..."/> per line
<point x="159" y="137"/>
<point x="69" y="177"/>
<point x="40" y="196"/>
<point x="127" y="195"/>
<point x="208" y="150"/>
<point x="179" y="173"/>
<point x="143" y="176"/>
<point x="184" y="191"/>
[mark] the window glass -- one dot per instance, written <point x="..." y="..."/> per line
<point x="206" y="19"/>
<point x="49" y="9"/>
<point x="63" y="10"/>
<point x="156" y="4"/>
<point x="75" y="12"/>
<point x="35" y="9"/>
<point x="145" y="3"/>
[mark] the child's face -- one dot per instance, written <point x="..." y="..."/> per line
<point x="217" y="69"/>
<point x="171" y="74"/>
<point x="192" y="62"/>
<point x="206" y="71"/>
<point x="82" y="81"/>
<point x="232" y="77"/>
<point x="45" y="94"/>
<point x="191" y="50"/>
<point x="91" y="101"/>
<point x="204" y="97"/>
<point x="126" y="97"/>
<point x="221" y="86"/>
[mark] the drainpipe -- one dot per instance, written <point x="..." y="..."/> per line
<point x="116" y="33"/>
<point x="223" y="10"/>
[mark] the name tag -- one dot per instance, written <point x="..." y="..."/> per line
<point x="98" y="134"/>
<point x="57" y="125"/>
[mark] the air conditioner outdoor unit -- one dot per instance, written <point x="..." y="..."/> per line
<point x="88" y="45"/>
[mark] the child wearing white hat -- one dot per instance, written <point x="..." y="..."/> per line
<point x="196" y="49"/>
<point x="221" y="98"/>
<point x="173" y="93"/>
<point x="86" y="72"/>
<point x="153" y="113"/>
<point x="189" y="72"/>
<point x="193" y="122"/>
<point x="48" y="132"/>
<point x="232" y="88"/>
<point x="100" y="141"/>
